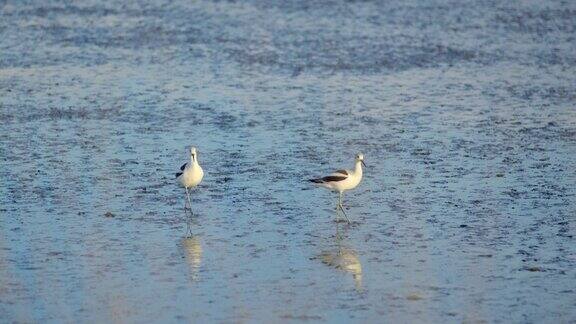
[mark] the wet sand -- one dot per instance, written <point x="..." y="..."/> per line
<point x="465" y="114"/>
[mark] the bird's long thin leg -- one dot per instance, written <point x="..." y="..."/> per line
<point x="189" y="202"/>
<point x="189" y="219"/>
<point x="186" y="213"/>
<point x="342" y="208"/>
<point x="185" y="203"/>
<point x="188" y="229"/>
<point x="337" y="208"/>
<point x="339" y="237"/>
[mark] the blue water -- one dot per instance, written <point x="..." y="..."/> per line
<point x="464" y="112"/>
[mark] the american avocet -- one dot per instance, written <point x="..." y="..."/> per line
<point x="343" y="180"/>
<point x="190" y="176"/>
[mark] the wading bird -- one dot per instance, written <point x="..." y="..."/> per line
<point x="341" y="181"/>
<point x="190" y="176"/>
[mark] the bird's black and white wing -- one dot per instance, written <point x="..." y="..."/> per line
<point x="181" y="169"/>
<point x="337" y="176"/>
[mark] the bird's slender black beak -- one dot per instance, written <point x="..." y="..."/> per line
<point x="364" y="164"/>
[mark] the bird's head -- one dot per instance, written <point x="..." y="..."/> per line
<point x="360" y="158"/>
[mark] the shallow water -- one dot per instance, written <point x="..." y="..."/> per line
<point x="465" y="113"/>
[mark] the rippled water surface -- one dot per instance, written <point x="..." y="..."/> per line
<point x="465" y="113"/>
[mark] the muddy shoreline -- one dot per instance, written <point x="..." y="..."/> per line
<point x="465" y="113"/>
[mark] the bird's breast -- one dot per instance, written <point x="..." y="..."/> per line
<point x="193" y="176"/>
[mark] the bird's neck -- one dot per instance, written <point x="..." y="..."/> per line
<point x="358" y="167"/>
<point x="193" y="161"/>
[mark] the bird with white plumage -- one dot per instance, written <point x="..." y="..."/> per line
<point x="342" y="180"/>
<point x="190" y="176"/>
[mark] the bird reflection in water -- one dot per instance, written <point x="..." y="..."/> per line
<point x="193" y="251"/>
<point x="344" y="258"/>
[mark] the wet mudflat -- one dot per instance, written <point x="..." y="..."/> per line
<point x="465" y="113"/>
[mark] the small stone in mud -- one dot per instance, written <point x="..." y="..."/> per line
<point x="499" y="175"/>
<point x="414" y="297"/>
<point x="463" y="226"/>
<point x="109" y="214"/>
<point x="534" y="269"/>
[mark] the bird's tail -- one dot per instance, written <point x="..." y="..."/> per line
<point x="316" y="180"/>
<point x="178" y="174"/>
